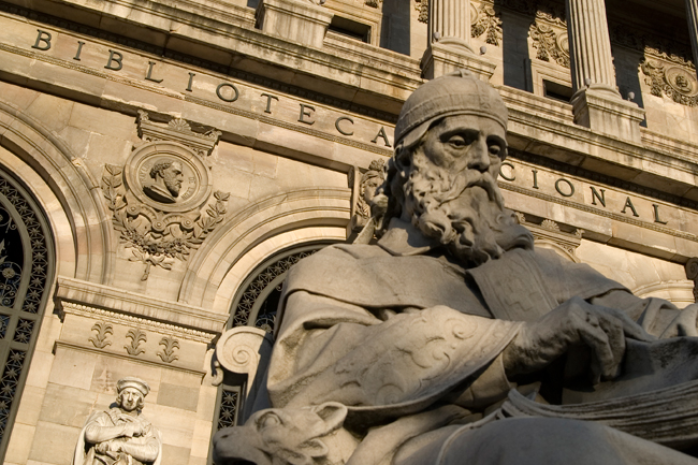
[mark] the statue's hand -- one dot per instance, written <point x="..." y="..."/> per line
<point x="575" y="323"/>
<point x="133" y="428"/>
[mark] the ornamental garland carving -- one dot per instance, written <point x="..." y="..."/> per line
<point x="487" y="22"/>
<point x="551" y="44"/>
<point x="157" y="198"/>
<point x="676" y="82"/>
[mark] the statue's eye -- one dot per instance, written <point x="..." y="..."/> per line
<point x="495" y="150"/>
<point x="457" y="141"/>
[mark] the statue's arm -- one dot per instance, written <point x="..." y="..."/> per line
<point x="657" y="316"/>
<point x="335" y="351"/>
<point x="97" y="431"/>
<point x="147" y="452"/>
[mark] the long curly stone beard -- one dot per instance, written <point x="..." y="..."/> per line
<point x="464" y="211"/>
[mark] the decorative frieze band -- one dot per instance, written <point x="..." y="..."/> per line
<point x="103" y="327"/>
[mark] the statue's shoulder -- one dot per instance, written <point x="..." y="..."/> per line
<point x="344" y="253"/>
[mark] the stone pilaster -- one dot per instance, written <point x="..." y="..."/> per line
<point x="692" y="16"/>
<point x="449" y="46"/>
<point x="294" y="20"/>
<point x="597" y="104"/>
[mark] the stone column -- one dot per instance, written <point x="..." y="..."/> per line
<point x="449" y="23"/>
<point x="692" y="16"/>
<point x="590" y="46"/>
<point x="597" y="104"/>
<point x="449" y="46"/>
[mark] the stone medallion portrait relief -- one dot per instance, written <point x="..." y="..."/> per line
<point x="168" y="176"/>
<point x="158" y="196"/>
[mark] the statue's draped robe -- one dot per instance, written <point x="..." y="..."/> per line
<point x="396" y="329"/>
<point x="86" y="454"/>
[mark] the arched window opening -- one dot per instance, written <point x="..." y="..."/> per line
<point x="255" y="304"/>
<point x="26" y="271"/>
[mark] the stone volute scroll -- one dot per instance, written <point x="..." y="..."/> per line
<point x="158" y="196"/>
<point x="120" y="435"/>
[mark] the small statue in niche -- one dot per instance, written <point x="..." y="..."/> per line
<point x="120" y="435"/>
<point x="167" y="181"/>
<point x="370" y="182"/>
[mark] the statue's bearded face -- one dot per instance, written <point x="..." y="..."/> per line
<point x="450" y="190"/>
<point x="173" y="178"/>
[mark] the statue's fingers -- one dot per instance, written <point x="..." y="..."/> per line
<point x="630" y="327"/>
<point x="616" y="339"/>
<point x="603" y="363"/>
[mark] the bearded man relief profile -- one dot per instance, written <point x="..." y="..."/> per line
<point x="454" y="341"/>
<point x="120" y="435"/>
<point x="167" y="182"/>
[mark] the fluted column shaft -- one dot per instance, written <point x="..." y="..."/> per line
<point x="590" y="45"/>
<point x="692" y="16"/>
<point x="449" y="22"/>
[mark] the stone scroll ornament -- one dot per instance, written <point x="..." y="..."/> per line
<point x="674" y="81"/>
<point x="157" y="198"/>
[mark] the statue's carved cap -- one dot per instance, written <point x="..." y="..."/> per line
<point x="450" y="95"/>
<point x="135" y="383"/>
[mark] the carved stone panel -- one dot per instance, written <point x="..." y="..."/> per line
<point x="550" y="41"/>
<point x="156" y="199"/>
<point x="674" y="80"/>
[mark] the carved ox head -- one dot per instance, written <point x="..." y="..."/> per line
<point x="281" y="436"/>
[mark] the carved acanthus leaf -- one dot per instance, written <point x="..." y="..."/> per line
<point x="137" y="336"/>
<point x="156" y="237"/>
<point x="676" y="82"/>
<point x="169" y="345"/>
<point x="103" y="329"/>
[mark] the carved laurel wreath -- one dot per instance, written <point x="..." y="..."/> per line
<point x="157" y="238"/>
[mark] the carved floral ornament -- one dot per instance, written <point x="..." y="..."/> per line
<point x="552" y="44"/>
<point x="156" y="199"/>
<point x="673" y="80"/>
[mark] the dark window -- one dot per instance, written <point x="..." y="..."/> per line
<point x="557" y="91"/>
<point x="351" y="29"/>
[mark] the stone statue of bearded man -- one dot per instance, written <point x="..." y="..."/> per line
<point x="454" y="341"/>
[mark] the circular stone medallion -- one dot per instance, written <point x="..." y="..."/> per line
<point x="682" y="81"/>
<point x="168" y="177"/>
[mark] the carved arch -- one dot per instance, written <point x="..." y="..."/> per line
<point x="257" y="232"/>
<point x="67" y="193"/>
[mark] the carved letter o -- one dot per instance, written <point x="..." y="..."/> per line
<point x="559" y="191"/>
<point x="235" y="96"/>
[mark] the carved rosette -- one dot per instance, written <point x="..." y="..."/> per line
<point x="676" y="81"/>
<point x="549" y="37"/>
<point x="158" y="197"/>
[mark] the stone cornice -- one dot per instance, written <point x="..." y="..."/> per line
<point x="95" y="296"/>
<point x="538" y="125"/>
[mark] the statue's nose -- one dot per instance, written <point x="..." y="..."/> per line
<point x="478" y="157"/>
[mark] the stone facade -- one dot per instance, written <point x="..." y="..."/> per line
<point x="274" y="110"/>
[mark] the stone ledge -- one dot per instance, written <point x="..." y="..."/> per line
<point x="84" y="348"/>
<point x="118" y="301"/>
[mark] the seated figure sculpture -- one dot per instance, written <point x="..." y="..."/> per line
<point x="454" y="341"/>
